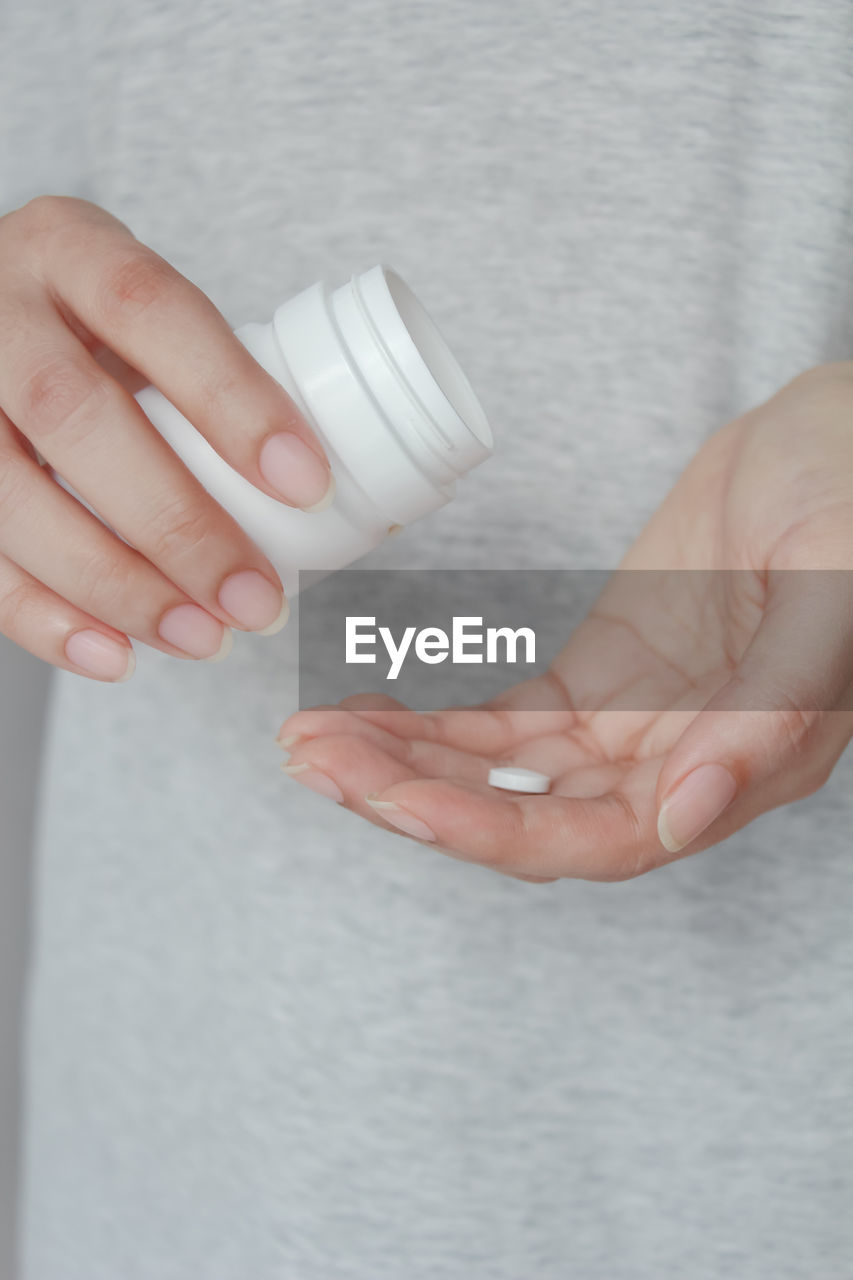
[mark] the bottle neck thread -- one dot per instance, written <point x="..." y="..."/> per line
<point x="445" y="422"/>
<point x="385" y="392"/>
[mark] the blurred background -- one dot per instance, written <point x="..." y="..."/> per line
<point x="24" y="685"/>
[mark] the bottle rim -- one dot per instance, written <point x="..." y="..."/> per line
<point x="416" y="346"/>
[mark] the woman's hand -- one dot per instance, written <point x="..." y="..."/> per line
<point x="86" y="312"/>
<point x="685" y="704"/>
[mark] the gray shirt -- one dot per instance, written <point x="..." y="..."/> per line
<point x="266" y="1039"/>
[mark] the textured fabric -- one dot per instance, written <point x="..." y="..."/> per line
<point x="267" y="1040"/>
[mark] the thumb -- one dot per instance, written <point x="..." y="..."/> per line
<point x="761" y="740"/>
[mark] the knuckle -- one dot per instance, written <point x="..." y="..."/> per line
<point x="47" y="214"/>
<point x="139" y="280"/>
<point x="219" y="388"/>
<point x="635" y="854"/>
<point x="631" y="864"/>
<point x="796" y="728"/>
<point x="104" y="578"/>
<point x="18" y="603"/>
<point x="58" y="393"/>
<point x="638" y="853"/>
<point x="181" y="527"/>
<point x="42" y="217"/>
<point x="48" y="206"/>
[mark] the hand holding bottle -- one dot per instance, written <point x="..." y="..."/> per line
<point x="86" y="310"/>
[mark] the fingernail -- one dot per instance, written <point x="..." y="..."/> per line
<point x="400" y="818"/>
<point x="100" y="655"/>
<point x="198" y="633"/>
<point x="253" y="600"/>
<point x="327" y="498"/>
<point x="295" y="471"/>
<point x="225" y="648"/>
<point x="280" y="621"/>
<point x="695" y="803"/>
<point x="287" y="743"/>
<point x="317" y="781"/>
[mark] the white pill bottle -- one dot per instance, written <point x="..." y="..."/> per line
<point x="398" y="419"/>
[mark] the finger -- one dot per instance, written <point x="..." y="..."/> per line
<point x="110" y="361"/>
<point x="773" y="732"/>
<point x="339" y="769"/>
<point x="553" y="752"/>
<point x="56" y="541"/>
<point x="95" y="436"/>
<point x="345" y="768"/>
<point x="318" y="767"/>
<point x="429" y="759"/>
<point x="46" y="625"/>
<point x="608" y="837"/>
<point x="146" y="311"/>
<point x="594" y="835"/>
<point x="316" y="722"/>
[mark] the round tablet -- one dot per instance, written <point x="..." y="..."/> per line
<point x="513" y="778"/>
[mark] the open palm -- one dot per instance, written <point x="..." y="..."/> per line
<point x="719" y="656"/>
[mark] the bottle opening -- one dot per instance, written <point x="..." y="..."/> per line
<point x="438" y="358"/>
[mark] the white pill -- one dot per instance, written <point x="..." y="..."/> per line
<point x="516" y="779"/>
